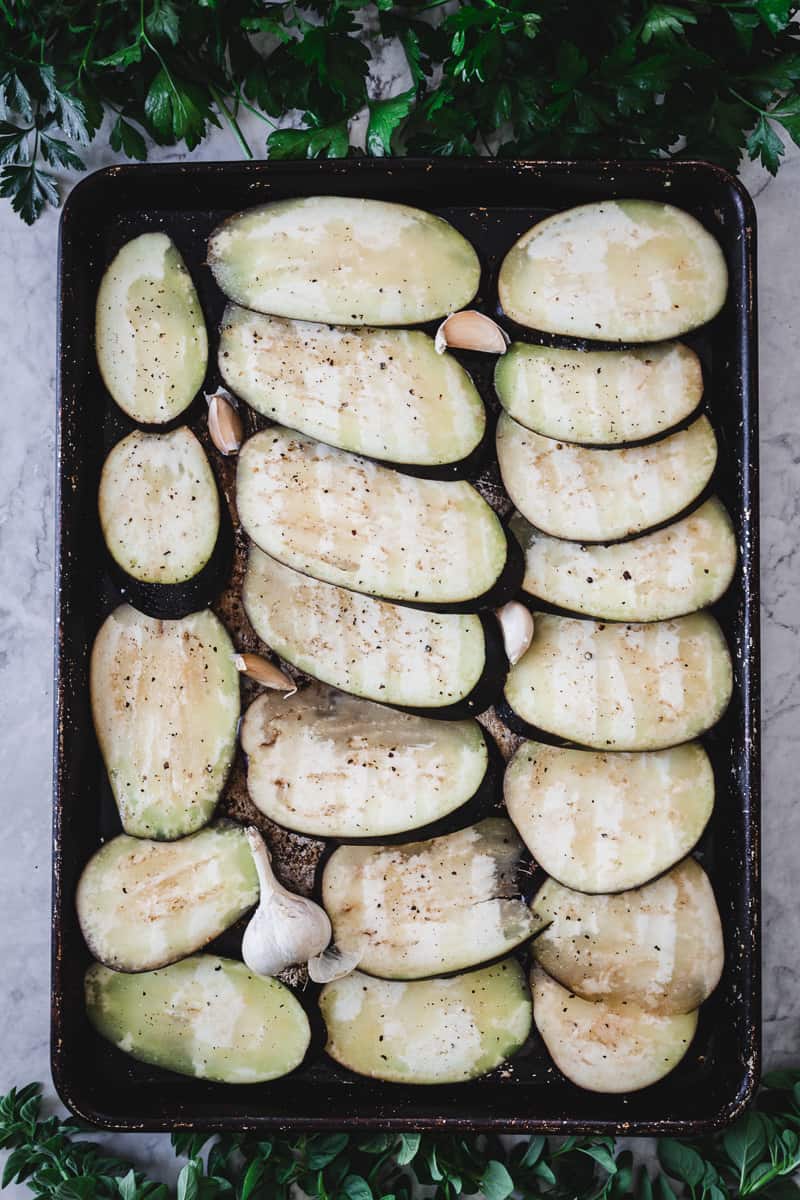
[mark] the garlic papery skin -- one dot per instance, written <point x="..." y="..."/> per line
<point x="224" y="423"/>
<point x="471" y="330"/>
<point x="516" y="624"/>
<point x="285" y="928"/>
<point x="333" y="963"/>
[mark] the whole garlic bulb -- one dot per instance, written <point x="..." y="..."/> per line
<point x="285" y="928"/>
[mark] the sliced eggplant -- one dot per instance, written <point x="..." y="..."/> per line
<point x="352" y="522"/>
<point x="599" y="397"/>
<point x="605" y="822"/>
<point x="595" y="495"/>
<point x="345" y="261"/>
<point x="428" y="908"/>
<point x="676" y="570"/>
<point x="430" y="1031"/>
<point x="165" y="702"/>
<point x="143" y="904"/>
<point x="159" y="506"/>
<point x="605" y="1049"/>
<point x="622" y="687"/>
<point x="444" y="664"/>
<point x="150" y="336"/>
<point x="618" y="270"/>
<point x="330" y="765"/>
<point x="205" y="1016"/>
<point x="383" y="393"/>
<point x="658" y="947"/>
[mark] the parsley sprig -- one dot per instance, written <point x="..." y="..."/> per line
<point x="626" y="78"/>
<point x="759" y="1154"/>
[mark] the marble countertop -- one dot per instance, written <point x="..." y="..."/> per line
<point x="27" y="435"/>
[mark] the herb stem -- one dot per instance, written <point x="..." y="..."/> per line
<point x="231" y="119"/>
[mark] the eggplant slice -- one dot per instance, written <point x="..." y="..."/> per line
<point x="658" y="947"/>
<point x="617" y="270"/>
<point x="205" y="1016"/>
<point x="150" y="336"/>
<point x="144" y="904"/>
<point x="429" y="908"/>
<point x="356" y="524"/>
<point x="344" y="261"/>
<point x="596" y="495"/>
<point x="165" y="702"/>
<point x="622" y="687"/>
<point x="605" y="1049"/>
<point x="330" y="765"/>
<point x="382" y="393"/>
<point x="430" y="1031"/>
<point x="442" y="664"/>
<point x="605" y="822"/>
<point x="676" y="570"/>
<point x="599" y="397"/>
<point x="159" y="506"/>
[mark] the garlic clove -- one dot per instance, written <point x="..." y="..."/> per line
<point x="254" y="666"/>
<point x="471" y="330"/>
<point x="285" y="928"/>
<point x="516" y="624"/>
<point x="333" y="963"/>
<point x="224" y="422"/>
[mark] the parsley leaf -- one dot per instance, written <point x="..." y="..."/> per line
<point x="385" y="117"/>
<point x="13" y="142"/>
<point x="176" y="108"/>
<point x="29" y="189"/>
<point x="124" y="137"/>
<point x="332" y="141"/>
<point x="58" y="153"/>
<point x="163" y="21"/>
<point x="765" y="144"/>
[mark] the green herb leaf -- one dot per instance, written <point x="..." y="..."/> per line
<point x="323" y="1148"/>
<point x="765" y="144"/>
<point x="407" y="1148"/>
<point x="774" y="13"/>
<point x="13" y="144"/>
<point x="745" y="1142"/>
<point x="59" y="154"/>
<point x="385" y="117"/>
<point x="680" y="1161"/>
<point x="666" y="21"/>
<point x="355" y="1187"/>
<point x="496" y="1183"/>
<point x="124" y="137"/>
<point x="124" y="57"/>
<point x="163" y="21"/>
<point x="330" y="141"/>
<point x="29" y="190"/>
<point x="176" y="109"/>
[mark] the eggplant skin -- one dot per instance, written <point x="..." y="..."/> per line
<point x="667" y="573"/>
<point x="165" y="703"/>
<point x="150" y="335"/>
<point x="658" y="947"/>
<point x="444" y="665"/>
<point x="602" y="1048"/>
<point x="143" y="904"/>
<point x="344" y="261"/>
<point x="205" y="1016"/>
<point x="331" y="765"/>
<point x="602" y="823"/>
<point x="429" y="1031"/>
<point x="381" y="393"/>
<point x="616" y="270"/>
<point x="621" y="687"/>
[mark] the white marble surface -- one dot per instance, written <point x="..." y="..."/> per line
<point x="27" y="417"/>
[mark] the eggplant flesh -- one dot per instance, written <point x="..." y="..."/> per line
<point x="344" y="260"/>
<point x="602" y="1048"/>
<point x="142" y="904"/>
<point x="205" y="1016"/>
<point x="658" y="947"/>
<point x="596" y="495"/>
<point x="435" y="663"/>
<point x="430" y="1031"/>
<point x="329" y="765"/>
<point x="673" y="571"/>
<point x="159" y="506"/>
<point x="599" y="397"/>
<point x="382" y="393"/>
<point x="165" y="702"/>
<point x="606" y="822"/>
<point x="150" y="335"/>
<point x="359" y="525"/>
<point x="616" y="270"/>
<point x="432" y="907"/>
<point x="622" y="687"/>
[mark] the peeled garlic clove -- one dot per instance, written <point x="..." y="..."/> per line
<point x="333" y="963"/>
<point x="264" y="672"/>
<point x="224" y="422"/>
<point x="516" y="624"/>
<point x="285" y="928"/>
<point x="471" y="330"/>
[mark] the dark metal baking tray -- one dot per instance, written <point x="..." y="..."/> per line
<point x="492" y="202"/>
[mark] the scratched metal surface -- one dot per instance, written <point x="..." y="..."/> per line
<point x="492" y="203"/>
